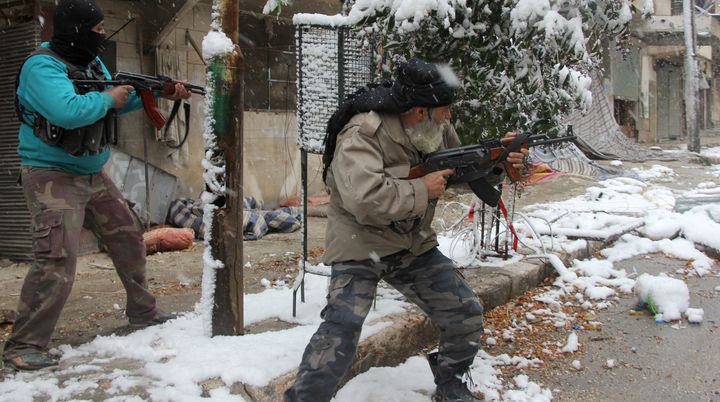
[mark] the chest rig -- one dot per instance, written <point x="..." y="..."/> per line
<point x="82" y="141"/>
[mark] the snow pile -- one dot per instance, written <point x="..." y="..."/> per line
<point x="656" y="172"/>
<point x="667" y="297"/>
<point x="694" y="315"/>
<point x="412" y="381"/>
<point x="712" y="155"/>
<point x="572" y="344"/>
<point x="216" y="44"/>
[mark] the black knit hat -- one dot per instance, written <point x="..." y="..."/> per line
<point x="418" y="83"/>
<point x="76" y="17"/>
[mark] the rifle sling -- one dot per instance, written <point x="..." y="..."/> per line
<point x="173" y="115"/>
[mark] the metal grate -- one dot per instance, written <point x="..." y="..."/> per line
<point x="15" y="241"/>
<point x="332" y="63"/>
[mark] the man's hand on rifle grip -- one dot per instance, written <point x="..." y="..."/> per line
<point x="518" y="160"/>
<point x="436" y="182"/>
<point x="175" y="92"/>
<point x="120" y="95"/>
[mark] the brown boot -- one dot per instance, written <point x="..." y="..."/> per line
<point x="159" y="318"/>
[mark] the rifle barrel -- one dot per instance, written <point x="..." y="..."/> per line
<point x="196" y="89"/>
<point x="547" y="141"/>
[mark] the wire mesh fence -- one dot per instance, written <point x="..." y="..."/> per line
<point x="332" y="63"/>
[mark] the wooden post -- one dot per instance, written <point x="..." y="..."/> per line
<point x="227" y="227"/>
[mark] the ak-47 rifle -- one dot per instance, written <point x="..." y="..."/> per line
<point x="146" y="86"/>
<point x="472" y="163"/>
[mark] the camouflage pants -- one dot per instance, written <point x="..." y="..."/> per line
<point x="430" y="281"/>
<point x="61" y="204"/>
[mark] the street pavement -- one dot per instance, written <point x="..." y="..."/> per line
<point x="651" y="361"/>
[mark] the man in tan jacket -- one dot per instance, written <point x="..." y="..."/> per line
<point x="379" y="228"/>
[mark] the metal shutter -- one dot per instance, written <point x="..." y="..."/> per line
<point x="15" y="240"/>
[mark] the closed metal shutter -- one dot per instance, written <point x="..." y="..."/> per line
<point x="15" y="240"/>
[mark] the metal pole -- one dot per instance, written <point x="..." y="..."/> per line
<point x="304" y="164"/>
<point x="341" y="65"/>
<point x="138" y="28"/>
<point x="303" y="168"/>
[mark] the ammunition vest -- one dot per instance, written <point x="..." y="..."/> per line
<point x="87" y="140"/>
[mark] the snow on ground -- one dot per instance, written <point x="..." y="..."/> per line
<point x="168" y="362"/>
<point x="638" y="215"/>
<point x="173" y="358"/>
<point x="617" y="207"/>
<point x="711" y="154"/>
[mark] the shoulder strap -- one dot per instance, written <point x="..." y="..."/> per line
<point x="19" y="109"/>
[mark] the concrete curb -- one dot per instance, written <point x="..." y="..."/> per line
<point x="412" y="331"/>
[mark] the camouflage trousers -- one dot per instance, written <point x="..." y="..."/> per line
<point x="60" y="204"/>
<point x="430" y="281"/>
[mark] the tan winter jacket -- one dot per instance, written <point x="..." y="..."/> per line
<point x="374" y="211"/>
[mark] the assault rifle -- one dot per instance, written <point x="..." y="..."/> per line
<point x="145" y="86"/>
<point x="472" y="163"/>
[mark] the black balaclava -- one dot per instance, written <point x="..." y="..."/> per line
<point x="72" y="37"/>
<point x="416" y="83"/>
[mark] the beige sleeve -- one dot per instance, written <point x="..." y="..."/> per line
<point x="367" y="191"/>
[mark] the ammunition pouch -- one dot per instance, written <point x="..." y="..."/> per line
<point x="88" y="140"/>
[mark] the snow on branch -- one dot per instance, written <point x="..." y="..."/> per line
<point x="523" y="63"/>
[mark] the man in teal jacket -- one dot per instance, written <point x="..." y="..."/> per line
<point x="63" y="146"/>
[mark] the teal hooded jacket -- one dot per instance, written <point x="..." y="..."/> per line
<point x="44" y="87"/>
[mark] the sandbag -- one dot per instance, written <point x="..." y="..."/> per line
<point x="168" y="239"/>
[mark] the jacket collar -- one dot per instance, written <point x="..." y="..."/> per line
<point x="394" y="128"/>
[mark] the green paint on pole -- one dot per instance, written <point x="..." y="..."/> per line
<point x="221" y="104"/>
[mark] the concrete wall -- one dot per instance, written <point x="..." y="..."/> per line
<point x="272" y="158"/>
<point x="134" y="128"/>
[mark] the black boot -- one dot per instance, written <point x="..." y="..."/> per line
<point x="31" y="361"/>
<point x="450" y="386"/>
<point x="432" y="358"/>
<point x="454" y="389"/>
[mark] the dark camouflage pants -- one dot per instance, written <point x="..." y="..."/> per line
<point x="430" y="281"/>
<point x="61" y="204"/>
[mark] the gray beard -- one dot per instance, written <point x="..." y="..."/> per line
<point x="427" y="136"/>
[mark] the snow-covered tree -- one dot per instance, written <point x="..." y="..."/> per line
<point x="524" y="63"/>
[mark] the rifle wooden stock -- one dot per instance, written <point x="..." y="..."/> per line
<point x="417" y="171"/>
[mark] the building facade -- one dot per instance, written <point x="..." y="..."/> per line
<point x="645" y="80"/>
